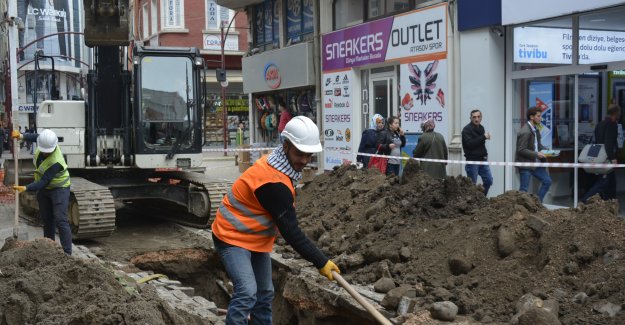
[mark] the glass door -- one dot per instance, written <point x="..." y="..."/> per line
<point x="381" y="99"/>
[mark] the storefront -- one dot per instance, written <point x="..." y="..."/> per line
<point x="280" y="76"/>
<point x="572" y="67"/>
<point x="394" y="66"/>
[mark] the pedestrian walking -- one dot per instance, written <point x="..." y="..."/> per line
<point x="432" y="145"/>
<point x="606" y="133"/>
<point x="259" y="204"/>
<point x="528" y="147"/>
<point x="474" y="139"/>
<point x="51" y="183"/>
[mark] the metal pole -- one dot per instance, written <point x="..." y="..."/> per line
<point x="223" y="90"/>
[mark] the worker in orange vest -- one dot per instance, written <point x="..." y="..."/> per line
<point x="259" y="204"/>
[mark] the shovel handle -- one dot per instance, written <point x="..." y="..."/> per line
<point x="361" y="300"/>
<point x="16" y="220"/>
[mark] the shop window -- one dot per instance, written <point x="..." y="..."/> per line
<point x="602" y="37"/>
<point x="267" y="25"/>
<point x="347" y="13"/>
<point x="300" y="23"/>
<point x="542" y="45"/>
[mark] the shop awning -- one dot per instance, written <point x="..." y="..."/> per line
<point x="237" y="4"/>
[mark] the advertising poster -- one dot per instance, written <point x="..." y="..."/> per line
<point x="588" y="108"/>
<point x="337" y="118"/>
<point x="541" y="95"/>
<point x="43" y="18"/>
<point x="293" y="20"/>
<point x="423" y="90"/>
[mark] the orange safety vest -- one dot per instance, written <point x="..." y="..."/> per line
<point x="241" y="220"/>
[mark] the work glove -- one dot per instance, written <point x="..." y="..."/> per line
<point x="15" y="134"/>
<point x="19" y="188"/>
<point x="327" y="270"/>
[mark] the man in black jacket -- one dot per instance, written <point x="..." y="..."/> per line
<point x="474" y="145"/>
<point x="606" y="133"/>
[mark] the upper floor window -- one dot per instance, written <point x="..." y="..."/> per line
<point x="174" y="14"/>
<point x="299" y="20"/>
<point x="145" y="22"/>
<point x="153" y="17"/>
<point x="347" y="13"/>
<point x="267" y="25"/>
<point x="385" y="7"/>
<point x="215" y="14"/>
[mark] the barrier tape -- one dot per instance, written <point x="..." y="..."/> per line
<point x="461" y="162"/>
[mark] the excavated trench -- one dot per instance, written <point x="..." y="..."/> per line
<point x="301" y="297"/>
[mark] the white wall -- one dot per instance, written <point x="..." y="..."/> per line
<point x="482" y="86"/>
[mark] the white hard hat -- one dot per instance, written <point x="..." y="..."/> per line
<point x="46" y="141"/>
<point x="303" y="134"/>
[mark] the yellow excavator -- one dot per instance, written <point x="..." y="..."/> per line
<point x="137" y="138"/>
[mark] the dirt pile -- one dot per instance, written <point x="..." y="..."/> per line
<point x="447" y="242"/>
<point x="40" y="284"/>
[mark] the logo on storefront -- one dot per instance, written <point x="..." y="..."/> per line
<point x="272" y="76"/>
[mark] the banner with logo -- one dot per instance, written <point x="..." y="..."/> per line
<point x="541" y="94"/>
<point x="423" y="92"/>
<point x="49" y="18"/>
<point x="337" y="118"/>
<point x="418" y="33"/>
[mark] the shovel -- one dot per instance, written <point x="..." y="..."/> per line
<point x="361" y="300"/>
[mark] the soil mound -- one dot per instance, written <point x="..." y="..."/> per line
<point x="447" y="241"/>
<point x="47" y="287"/>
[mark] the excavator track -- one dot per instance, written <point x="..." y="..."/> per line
<point x="91" y="209"/>
<point x="216" y="189"/>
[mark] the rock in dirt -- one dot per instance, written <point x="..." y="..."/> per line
<point x="384" y="285"/>
<point x="459" y="265"/>
<point x="505" y="241"/>
<point x="444" y="310"/>
<point x="538" y="316"/>
<point x="392" y="298"/>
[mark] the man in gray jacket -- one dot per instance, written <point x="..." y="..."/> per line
<point x="528" y="147"/>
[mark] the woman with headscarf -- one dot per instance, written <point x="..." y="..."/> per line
<point x="432" y="145"/>
<point x="368" y="141"/>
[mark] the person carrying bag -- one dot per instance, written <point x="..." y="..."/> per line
<point x="603" y="151"/>
<point x="379" y="163"/>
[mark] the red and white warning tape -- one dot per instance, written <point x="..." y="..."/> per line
<point x="462" y="162"/>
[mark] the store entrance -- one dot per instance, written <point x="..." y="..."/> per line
<point x="572" y="106"/>
<point x="382" y="99"/>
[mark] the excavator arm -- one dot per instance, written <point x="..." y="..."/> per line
<point x="107" y="22"/>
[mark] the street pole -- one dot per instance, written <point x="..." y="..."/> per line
<point x="224" y="84"/>
<point x="12" y="13"/>
<point x="223" y="89"/>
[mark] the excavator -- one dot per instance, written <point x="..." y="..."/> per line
<point x="137" y="138"/>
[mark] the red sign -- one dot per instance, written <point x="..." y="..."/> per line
<point x="272" y="76"/>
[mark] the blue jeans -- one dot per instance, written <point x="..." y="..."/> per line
<point x="604" y="185"/>
<point x="250" y="273"/>
<point x="53" y="211"/>
<point x="392" y="169"/>
<point x="541" y="174"/>
<point x="483" y="171"/>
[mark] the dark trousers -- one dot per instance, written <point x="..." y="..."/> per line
<point x="605" y="185"/>
<point x="53" y="211"/>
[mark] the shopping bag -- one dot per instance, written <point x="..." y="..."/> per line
<point x="378" y="163"/>
<point x="594" y="153"/>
